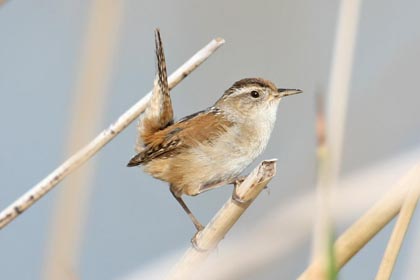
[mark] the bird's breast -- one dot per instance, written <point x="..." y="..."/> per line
<point x="228" y="155"/>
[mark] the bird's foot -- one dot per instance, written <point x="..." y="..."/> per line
<point x="238" y="199"/>
<point x="195" y="244"/>
<point x="238" y="181"/>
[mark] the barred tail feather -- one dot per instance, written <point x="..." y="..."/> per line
<point x="159" y="113"/>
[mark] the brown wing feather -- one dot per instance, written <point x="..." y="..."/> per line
<point x="159" y="113"/>
<point x="203" y="127"/>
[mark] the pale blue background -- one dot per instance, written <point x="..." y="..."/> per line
<point x="133" y="219"/>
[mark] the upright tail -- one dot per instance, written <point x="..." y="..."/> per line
<point x="159" y="113"/>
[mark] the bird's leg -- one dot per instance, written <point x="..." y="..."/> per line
<point x="195" y="221"/>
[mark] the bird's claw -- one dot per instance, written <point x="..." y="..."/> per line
<point x="239" y="200"/>
<point x="195" y="244"/>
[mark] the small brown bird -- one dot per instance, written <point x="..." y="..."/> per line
<point x="212" y="147"/>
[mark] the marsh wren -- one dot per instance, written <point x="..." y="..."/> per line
<point x="212" y="147"/>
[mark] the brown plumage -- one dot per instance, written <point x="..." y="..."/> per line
<point x="168" y="153"/>
<point x="173" y="139"/>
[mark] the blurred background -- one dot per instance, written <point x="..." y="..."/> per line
<point x="129" y="221"/>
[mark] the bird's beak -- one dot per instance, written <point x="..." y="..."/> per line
<point x="286" y="92"/>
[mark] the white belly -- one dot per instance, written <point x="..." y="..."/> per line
<point x="229" y="155"/>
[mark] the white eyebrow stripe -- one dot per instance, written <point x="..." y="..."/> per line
<point x="242" y="90"/>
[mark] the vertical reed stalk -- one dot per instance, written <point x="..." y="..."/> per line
<point x="89" y="101"/>
<point x="330" y="158"/>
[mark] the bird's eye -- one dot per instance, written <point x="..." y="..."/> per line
<point x="255" y="94"/>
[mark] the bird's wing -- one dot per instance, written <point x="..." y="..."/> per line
<point x="200" y="128"/>
<point x="158" y="114"/>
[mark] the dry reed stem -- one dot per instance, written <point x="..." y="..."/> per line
<point x="321" y="225"/>
<point x="411" y="267"/>
<point x="222" y="222"/>
<point x="80" y="157"/>
<point x="101" y="38"/>
<point x="339" y="81"/>
<point x="398" y="234"/>
<point x="364" y="229"/>
<point x="338" y="91"/>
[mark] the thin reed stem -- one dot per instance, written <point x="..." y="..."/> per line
<point x="336" y="110"/>
<point x="398" y="234"/>
<point x="84" y="154"/>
